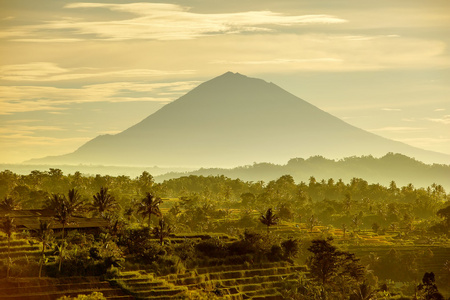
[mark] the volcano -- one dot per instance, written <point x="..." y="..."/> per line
<point x="235" y="120"/>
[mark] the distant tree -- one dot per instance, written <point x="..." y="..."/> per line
<point x="103" y="202"/>
<point x="375" y="227"/>
<point x="9" y="203"/>
<point x="145" y="182"/>
<point x="162" y="231"/>
<point x="357" y="221"/>
<point x="150" y="206"/>
<point x="248" y="199"/>
<point x="8" y="227"/>
<point x="285" y="212"/>
<point x="445" y="214"/>
<point x="344" y="229"/>
<point x="269" y="219"/>
<point x="312" y="221"/>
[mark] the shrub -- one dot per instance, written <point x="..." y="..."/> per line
<point x="93" y="296"/>
<point x="212" y="248"/>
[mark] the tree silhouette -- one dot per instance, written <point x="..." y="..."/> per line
<point x="162" y="231"/>
<point x="44" y="234"/>
<point x="150" y="206"/>
<point x="8" y="227"/>
<point x="327" y="263"/>
<point x="363" y="292"/>
<point x="64" y="208"/>
<point x="312" y="221"/>
<point x="428" y="288"/>
<point x="103" y="202"/>
<point x="9" y="203"/>
<point x="269" y="219"/>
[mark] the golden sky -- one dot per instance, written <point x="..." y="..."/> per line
<point x="70" y="71"/>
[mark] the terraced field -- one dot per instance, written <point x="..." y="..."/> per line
<point x="53" y="288"/>
<point x="260" y="281"/>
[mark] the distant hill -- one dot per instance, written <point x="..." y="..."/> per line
<point x="402" y="169"/>
<point x="235" y="120"/>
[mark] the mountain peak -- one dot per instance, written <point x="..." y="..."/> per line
<point x="236" y="120"/>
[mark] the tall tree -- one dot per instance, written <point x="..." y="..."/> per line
<point x="162" y="231"/>
<point x="8" y="227"/>
<point x="150" y="206"/>
<point x="327" y="265"/>
<point x="269" y="219"/>
<point x="103" y="202"/>
<point x="44" y="234"/>
<point x="64" y="208"/>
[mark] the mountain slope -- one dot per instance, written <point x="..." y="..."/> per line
<point x="234" y="120"/>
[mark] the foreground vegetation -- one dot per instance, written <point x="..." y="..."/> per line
<point x="210" y="236"/>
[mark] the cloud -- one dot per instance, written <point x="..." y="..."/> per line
<point x="14" y="99"/>
<point x="391" y="109"/>
<point x="398" y="129"/>
<point x="444" y="120"/>
<point x="158" y="21"/>
<point x="47" y="71"/>
<point x="279" y="61"/>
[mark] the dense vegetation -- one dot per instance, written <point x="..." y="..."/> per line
<point x="383" y="170"/>
<point x="358" y="239"/>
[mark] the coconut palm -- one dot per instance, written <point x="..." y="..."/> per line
<point x="44" y="234"/>
<point x="64" y="208"/>
<point x="103" y="202"/>
<point x="364" y="292"/>
<point x="9" y="203"/>
<point x="150" y="206"/>
<point x="162" y="231"/>
<point x="8" y="227"/>
<point x="74" y="201"/>
<point x="269" y="219"/>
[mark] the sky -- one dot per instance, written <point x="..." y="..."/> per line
<point x="70" y="71"/>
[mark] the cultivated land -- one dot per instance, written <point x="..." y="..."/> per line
<point x="213" y="237"/>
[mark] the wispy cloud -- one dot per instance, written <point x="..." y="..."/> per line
<point x="444" y="120"/>
<point x="279" y="61"/>
<point x="391" y="109"/>
<point x="46" y="71"/>
<point x="399" y="129"/>
<point x="15" y="99"/>
<point x="158" y="21"/>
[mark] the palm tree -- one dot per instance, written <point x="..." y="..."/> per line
<point x="150" y="206"/>
<point x="44" y="234"/>
<point x="9" y="203"/>
<point x="364" y="292"/>
<point x="75" y="202"/>
<point x="8" y="227"/>
<point x="103" y="201"/>
<point x="268" y="219"/>
<point x="162" y="231"/>
<point x="64" y="208"/>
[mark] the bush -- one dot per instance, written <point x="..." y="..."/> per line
<point x="93" y="296"/>
<point x="212" y="248"/>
